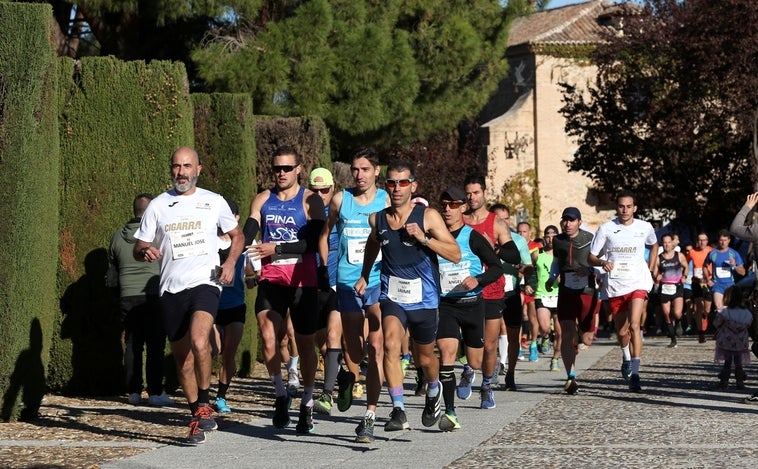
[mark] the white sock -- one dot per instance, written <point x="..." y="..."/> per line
<point x="293" y="363"/>
<point x="502" y="344"/>
<point x="626" y="353"/>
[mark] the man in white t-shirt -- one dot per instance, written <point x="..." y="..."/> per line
<point x="184" y="222"/>
<point x="622" y="242"/>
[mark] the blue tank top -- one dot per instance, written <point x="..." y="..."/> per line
<point x="353" y="229"/>
<point x="451" y="275"/>
<point x="283" y="221"/>
<point x="332" y="260"/>
<point x="409" y="272"/>
<point x="234" y="294"/>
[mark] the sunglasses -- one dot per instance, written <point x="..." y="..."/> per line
<point x="284" y="167"/>
<point x="392" y="183"/>
<point x="453" y="204"/>
<point x="325" y="190"/>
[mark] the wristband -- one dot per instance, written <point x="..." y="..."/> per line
<point x="425" y="242"/>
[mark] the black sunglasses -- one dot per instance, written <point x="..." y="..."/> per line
<point x="284" y="167"/>
<point x="392" y="183"/>
<point x="325" y="190"/>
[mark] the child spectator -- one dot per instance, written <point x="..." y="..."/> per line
<point x="732" y="323"/>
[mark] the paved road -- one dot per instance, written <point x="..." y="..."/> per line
<point x="679" y="420"/>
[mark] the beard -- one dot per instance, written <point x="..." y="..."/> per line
<point x="184" y="187"/>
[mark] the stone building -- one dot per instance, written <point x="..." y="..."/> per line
<point x="523" y="129"/>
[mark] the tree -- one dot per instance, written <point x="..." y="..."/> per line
<point x="377" y="72"/>
<point x="674" y="109"/>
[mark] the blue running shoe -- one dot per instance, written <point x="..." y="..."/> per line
<point x="221" y="405"/>
<point x="488" y="398"/>
<point x="468" y="377"/>
<point x="533" y="355"/>
<point x="626" y="369"/>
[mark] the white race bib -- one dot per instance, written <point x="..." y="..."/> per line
<point x="286" y="259"/>
<point x="622" y="269"/>
<point x="698" y="273"/>
<point x="356" y="249"/>
<point x="574" y="281"/>
<point x="668" y="288"/>
<point x="405" y="291"/>
<point x="550" y="301"/>
<point x="185" y="244"/>
<point x="451" y="276"/>
<point x="723" y="272"/>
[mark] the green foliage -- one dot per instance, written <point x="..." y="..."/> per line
<point x="520" y="191"/>
<point x="308" y="135"/>
<point x="673" y="112"/>
<point x="29" y="167"/>
<point x="382" y="72"/>
<point x="224" y="139"/>
<point x="119" y="124"/>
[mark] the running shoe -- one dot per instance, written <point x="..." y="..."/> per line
<point x="672" y="344"/>
<point x="488" y="398"/>
<point x="678" y="329"/>
<point x="365" y="431"/>
<point x="357" y="391"/>
<point x="432" y="410"/>
<point x="449" y="422"/>
<point x="495" y="381"/>
<point x="204" y="414"/>
<point x="634" y="383"/>
<point x="345" y="382"/>
<point x="701" y="337"/>
<point x="521" y="356"/>
<point x="626" y="369"/>
<point x="404" y="364"/>
<point x="222" y="406"/>
<point x="571" y="387"/>
<point x="468" y="377"/>
<point x="420" y="386"/>
<point x="305" y="420"/>
<point x="547" y="346"/>
<point x="281" y="411"/>
<point x="135" y="398"/>
<point x="195" y="435"/>
<point x="323" y="404"/>
<point x="397" y="421"/>
<point x="533" y="355"/>
<point x="160" y="400"/>
<point x="752" y="399"/>
<point x="555" y="364"/>
<point x="510" y="383"/>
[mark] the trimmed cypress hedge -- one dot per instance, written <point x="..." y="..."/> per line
<point x="119" y="124"/>
<point x="29" y="175"/>
<point x="224" y="139"/>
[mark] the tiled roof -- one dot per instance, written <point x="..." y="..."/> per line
<point x="572" y="24"/>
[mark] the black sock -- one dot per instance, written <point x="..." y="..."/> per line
<point x="447" y="379"/>
<point x="222" y="388"/>
<point x="203" y="396"/>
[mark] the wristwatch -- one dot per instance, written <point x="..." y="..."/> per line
<point x="143" y="252"/>
<point x="278" y="249"/>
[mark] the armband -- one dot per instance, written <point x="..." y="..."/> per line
<point x="250" y="230"/>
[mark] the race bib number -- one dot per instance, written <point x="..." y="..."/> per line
<point x="356" y="249"/>
<point x="668" y="289"/>
<point x="286" y="259"/>
<point x="723" y="272"/>
<point x="550" y="301"/>
<point x="452" y="275"/>
<point x="698" y="273"/>
<point x="574" y="281"/>
<point x="404" y="291"/>
<point x="622" y="269"/>
<point x="188" y="244"/>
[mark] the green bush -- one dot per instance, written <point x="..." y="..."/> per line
<point x="29" y="174"/>
<point x="119" y="124"/>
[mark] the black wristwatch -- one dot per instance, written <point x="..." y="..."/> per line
<point x="278" y="249"/>
<point x="143" y="252"/>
